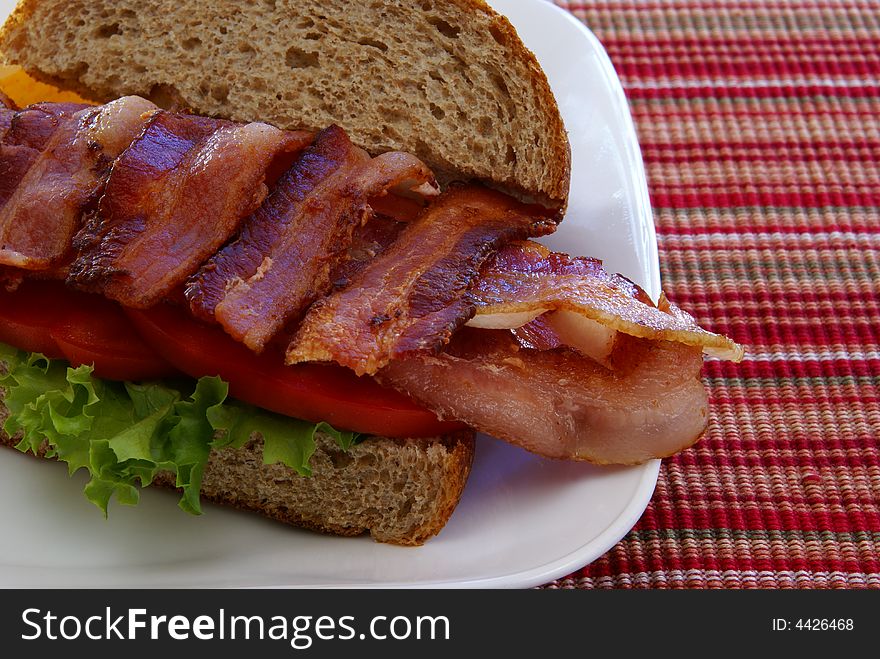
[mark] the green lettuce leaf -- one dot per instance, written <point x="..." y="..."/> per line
<point x="125" y="433"/>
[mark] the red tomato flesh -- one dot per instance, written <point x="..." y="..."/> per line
<point x="101" y="334"/>
<point x="313" y="392"/>
<point x="47" y="317"/>
<point x="28" y="315"/>
<point x="125" y="344"/>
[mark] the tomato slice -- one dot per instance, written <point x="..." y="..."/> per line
<point x="28" y="314"/>
<point x="313" y="392"/>
<point x="125" y="344"/>
<point x="47" y="317"/>
<point x="99" y="333"/>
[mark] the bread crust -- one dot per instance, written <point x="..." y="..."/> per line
<point x="559" y="176"/>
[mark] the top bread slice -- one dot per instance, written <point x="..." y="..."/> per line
<point x="447" y="80"/>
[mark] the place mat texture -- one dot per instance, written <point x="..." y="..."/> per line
<point x="759" y="124"/>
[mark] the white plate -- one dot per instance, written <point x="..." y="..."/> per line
<point x="522" y="521"/>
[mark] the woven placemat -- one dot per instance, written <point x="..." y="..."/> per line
<point x="760" y="129"/>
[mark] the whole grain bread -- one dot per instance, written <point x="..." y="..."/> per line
<point x="448" y="80"/>
<point x="400" y="491"/>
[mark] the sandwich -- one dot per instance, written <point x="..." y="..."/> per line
<point x="315" y="243"/>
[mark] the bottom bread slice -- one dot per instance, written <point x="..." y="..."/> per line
<point x="401" y="491"/>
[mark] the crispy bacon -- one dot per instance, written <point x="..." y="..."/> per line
<point x="23" y="136"/>
<point x="367" y="242"/>
<point x="42" y="213"/>
<point x="537" y="335"/>
<point x="34" y="125"/>
<point x="588" y="305"/>
<point x="413" y="297"/>
<point x="593" y="369"/>
<point x="557" y="403"/>
<point x="173" y="198"/>
<point x="288" y="250"/>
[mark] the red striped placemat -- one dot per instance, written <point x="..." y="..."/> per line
<point x="760" y="128"/>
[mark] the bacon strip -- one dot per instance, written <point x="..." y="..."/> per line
<point x="34" y="125"/>
<point x="413" y="297"/>
<point x="42" y="213"/>
<point x="288" y="250"/>
<point x="399" y="292"/>
<point x="174" y="197"/>
<point x="23" y="136"/>
<point x="367" y="242"/>
<point x="526" y="280"/>
<point x="557" y="403"/>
